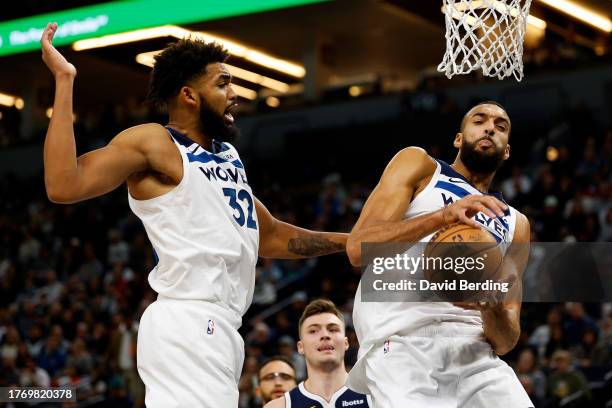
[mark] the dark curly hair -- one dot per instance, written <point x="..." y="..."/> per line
<point x="179" y="63"/>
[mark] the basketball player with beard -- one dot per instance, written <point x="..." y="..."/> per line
<point x="440" y="354"/>
<point x="187" y="184"/>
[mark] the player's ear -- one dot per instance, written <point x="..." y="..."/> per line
<point x="300" y="347"/>
<point x="188" y="95"/>
<point x="346" y="344"/>
<point x="458" y="139"/>
<point x="507" y="152"/>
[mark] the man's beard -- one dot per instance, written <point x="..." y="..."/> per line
<point x="214" y="125"/>
<point x="480" y="162"/>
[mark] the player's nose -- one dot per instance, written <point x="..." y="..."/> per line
<point x="231" y="94"/>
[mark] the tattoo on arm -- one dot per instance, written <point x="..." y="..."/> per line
<point x="313" y="246"/>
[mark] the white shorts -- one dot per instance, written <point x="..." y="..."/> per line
<point x="189" y="354"/>
<point x="440" y="369"/>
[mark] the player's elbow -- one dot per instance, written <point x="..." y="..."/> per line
<point x="353" y="250"/>
<point x="58" y="194"/>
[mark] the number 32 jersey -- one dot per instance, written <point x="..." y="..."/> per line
<point x="205" y="230"/>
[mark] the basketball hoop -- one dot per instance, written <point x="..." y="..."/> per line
<point x="486" y="35"/>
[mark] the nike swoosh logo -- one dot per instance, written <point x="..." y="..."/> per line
<point x="456" y="180"/>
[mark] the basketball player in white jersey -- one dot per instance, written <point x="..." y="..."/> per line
<point x="190" y="190"/>
<point x="323" y="343"/>
<point x="441" y="354"/>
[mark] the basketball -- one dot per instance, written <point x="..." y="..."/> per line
<point x="463" y="258"/>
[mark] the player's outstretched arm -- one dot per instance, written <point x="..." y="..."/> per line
<point x="382" y="217"/>
<point x="281" y="240"/>
<point x="69" y="179"/>
<point x="501" y="319"/>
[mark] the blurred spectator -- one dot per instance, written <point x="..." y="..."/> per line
<point x="605" y="220"/>
<point x="248" y="384"/>
<point x="542" y="334"/>
<point x="118" y="249"/>
<point x="527" y="383"/>
<point x="266" y="276"/>
<point x="33" y="376"/>
<point x="287" y="349"/>
<point x="79" y="358"/>
<point x="276" y="376"/>
<point x="516" y="188"/>
<point x="565" y="381"/>
<point x="261" y="337"/>
<point x="578" y="322"/>
<point x="526" y="367"/>
<point x="52" y="357"/>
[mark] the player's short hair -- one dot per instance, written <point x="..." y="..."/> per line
<point x="273" y="359"/>
<point x="319" y="306"/>
<point x="179" y="63"/>
<point x="478" y="104"/>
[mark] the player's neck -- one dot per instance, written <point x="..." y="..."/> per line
<point x="192" y="128"/>
<point x="325" y="383"/>
<point x="481" y="181"/>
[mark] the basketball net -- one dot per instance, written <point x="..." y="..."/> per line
<point x="486" y="35"/>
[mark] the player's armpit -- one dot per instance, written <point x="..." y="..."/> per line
<point x="101" y="171"/>
<point x="381" y="219"/>
<point x="281" y="240"/>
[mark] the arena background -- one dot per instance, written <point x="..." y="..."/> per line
<point x="361" y="86"/>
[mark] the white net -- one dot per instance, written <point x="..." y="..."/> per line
<point x="486" y="35"/>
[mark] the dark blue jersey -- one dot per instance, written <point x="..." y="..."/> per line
<point x="300" y="397"/>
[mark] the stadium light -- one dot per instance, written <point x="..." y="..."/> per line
<point x="147" y="58"/>
<point x="244" y="92"/>
<point x="10" y="100"/>
<point x="234" y="48"/>
<point x="581" y="13"/>
<point x="536" y="22"/>
<point x="273" y="101"/>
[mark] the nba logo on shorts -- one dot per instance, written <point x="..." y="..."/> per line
<point x="211" y="327"/>
<point x="386" y="347"/>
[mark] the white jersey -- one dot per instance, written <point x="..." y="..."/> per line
<point x="376" y="321"/>
<point x="205" y="230"/>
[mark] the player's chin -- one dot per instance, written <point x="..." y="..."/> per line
<point x="329" y="358"/>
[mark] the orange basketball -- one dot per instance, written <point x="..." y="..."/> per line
<point x="462" y="257"/>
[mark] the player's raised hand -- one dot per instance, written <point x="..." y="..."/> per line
<point x="57" y="64"/>
<point x="463" y="211"/>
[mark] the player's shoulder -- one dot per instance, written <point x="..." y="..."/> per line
<point x="277" y="403"/>
<point x="522" y="227"/>
<point x="145" y="135"/>
<point x="412" y="163"/>
<point x="416" y="157"/>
